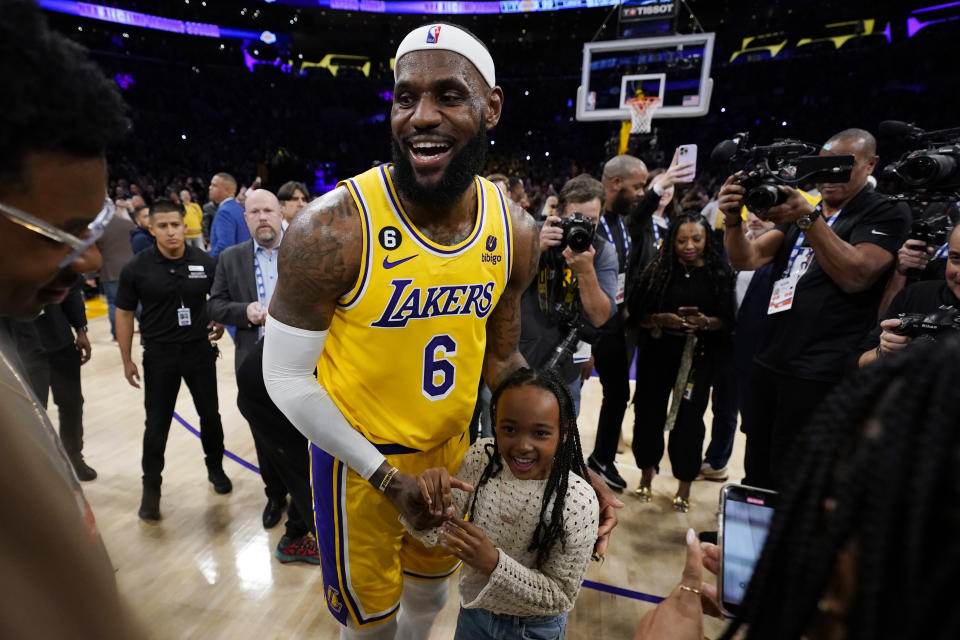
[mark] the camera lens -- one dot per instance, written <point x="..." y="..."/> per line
<point x="578" y="239"/>
<point x="763" y="197"/>
<point x="928" y="170"/>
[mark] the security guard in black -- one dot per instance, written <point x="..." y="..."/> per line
<point x="171" y="281"/>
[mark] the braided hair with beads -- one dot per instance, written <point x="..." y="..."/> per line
<point x="874" y="485"/>
<point x="568" y="457"/>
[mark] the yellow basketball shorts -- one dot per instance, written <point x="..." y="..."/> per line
<point x="364" y="550"/>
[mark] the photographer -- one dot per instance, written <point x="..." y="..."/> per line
<point x="572" y="288"/>
<point x="920" y="298"/>
<point x="923" y="255"/>
<point x="828" y="268"/>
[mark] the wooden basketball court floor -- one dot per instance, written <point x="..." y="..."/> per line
<point x="207" y="570"/>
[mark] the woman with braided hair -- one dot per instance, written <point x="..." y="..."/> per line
<point x="684" y="302"/>
<point x="527" y="531"/>
<point x="861" y="541"/>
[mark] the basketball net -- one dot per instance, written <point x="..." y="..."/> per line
<point x="642" y="109"/>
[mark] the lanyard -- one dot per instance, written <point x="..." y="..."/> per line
<point x="797" y="246"/>
<point x="623" y="233"/>
<point x="657" y="240"/>
<point x="942" y="251"/>
<point x="258" y="276"/>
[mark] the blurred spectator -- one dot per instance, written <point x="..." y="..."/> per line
<point x="293" y="197"/>
<point x="228" y="227"/>
<point x="193" y="218"/>
<point x="115" y="247"/>
<point x="140" y="236"/>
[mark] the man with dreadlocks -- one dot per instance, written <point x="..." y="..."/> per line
<point x="524" y="565"/>
<point x="859" y="544"/>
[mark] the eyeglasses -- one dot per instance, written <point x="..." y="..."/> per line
<point x="94" y="230"/>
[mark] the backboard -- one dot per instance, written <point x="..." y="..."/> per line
<point x="674" y="68"/>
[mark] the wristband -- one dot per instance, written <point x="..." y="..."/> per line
<point x="879" y="352"/>
<point x="726" y="221"/>
<point x="388" y="478"/>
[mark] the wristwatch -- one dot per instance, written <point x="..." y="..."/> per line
<point x="805" y="222"/>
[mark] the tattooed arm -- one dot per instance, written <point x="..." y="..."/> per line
<point x="503" y="325"/>
<point x="319" y="261"/>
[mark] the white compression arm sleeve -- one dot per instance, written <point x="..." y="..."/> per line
<point x="289" y="358"/>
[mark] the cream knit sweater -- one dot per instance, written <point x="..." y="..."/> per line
<point x="508" y="511"/>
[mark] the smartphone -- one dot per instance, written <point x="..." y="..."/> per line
<point x="745" y="516"/>
<point x="684" y="312"/>
<point x="688" y="153"/>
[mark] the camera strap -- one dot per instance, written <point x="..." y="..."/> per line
<point x="942" y="251"/>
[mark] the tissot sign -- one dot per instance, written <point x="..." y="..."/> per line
<point x="648" y="10"/>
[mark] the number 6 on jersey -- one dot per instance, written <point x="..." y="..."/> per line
<point x="436" y="365"/>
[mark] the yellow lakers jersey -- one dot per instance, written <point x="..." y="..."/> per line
<point x="405" y="347"/>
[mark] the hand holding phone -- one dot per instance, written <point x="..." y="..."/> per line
<point x="687" y="154"/>
<point x="745" y="517"/>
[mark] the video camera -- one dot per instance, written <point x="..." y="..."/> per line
<point x="786" y="162"/>
<point x="930" y="172"/>
<point x="577" y="232"/>
<point x="929" y="326"/>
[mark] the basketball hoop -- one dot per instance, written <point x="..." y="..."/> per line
<point x="641" y="113"/>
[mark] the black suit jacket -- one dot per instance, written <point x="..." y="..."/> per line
<point x="235" y="287"/>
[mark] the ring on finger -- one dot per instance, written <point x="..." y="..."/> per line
<point x="690" y="589"/>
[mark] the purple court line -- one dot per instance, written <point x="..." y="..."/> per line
<point x="589" y="584"/>
<point x="229" y="454"/>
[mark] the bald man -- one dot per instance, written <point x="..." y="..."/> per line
<point x="241" y="292"/>
<point x="830" y="265"/>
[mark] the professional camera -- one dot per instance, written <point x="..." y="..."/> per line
<point x="577" y="232"/>
<point x="785" y="162"/>
<point x="929" y="232"/>
<point x="930" y="172"/>
<point x="928" y="327"/>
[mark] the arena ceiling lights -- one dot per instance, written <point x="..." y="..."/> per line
<point x="147" y="21"/>
<point x="448" y="8"/>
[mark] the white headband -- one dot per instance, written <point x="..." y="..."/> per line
<point x="447" y="37"/>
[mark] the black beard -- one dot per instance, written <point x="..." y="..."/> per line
<point x="464" y="166"/>
<point x="621" y="205"/>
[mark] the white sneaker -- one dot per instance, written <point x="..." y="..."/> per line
<point x="713" y="475"/>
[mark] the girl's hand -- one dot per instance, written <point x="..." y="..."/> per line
<point x="435" y="485"/>
<point x="469" y="543"/>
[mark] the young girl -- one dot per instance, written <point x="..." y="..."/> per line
<point x="527" y="531"/>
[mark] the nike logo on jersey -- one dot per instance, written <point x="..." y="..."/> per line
<point x="390" y="265"/>
<point x="878" y="233"/>
<point x="416" y="303"/>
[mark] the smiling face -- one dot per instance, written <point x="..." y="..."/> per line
<point x="66" y="192"/>
<point x="690" y="243"/>
<point x="528" y="431"/>
<point x="441" y="112"/>
<point x="953" y="262"/>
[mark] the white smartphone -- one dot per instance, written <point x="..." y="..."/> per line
<point x="745" y="517"/>
<point x="688" y="153"/>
